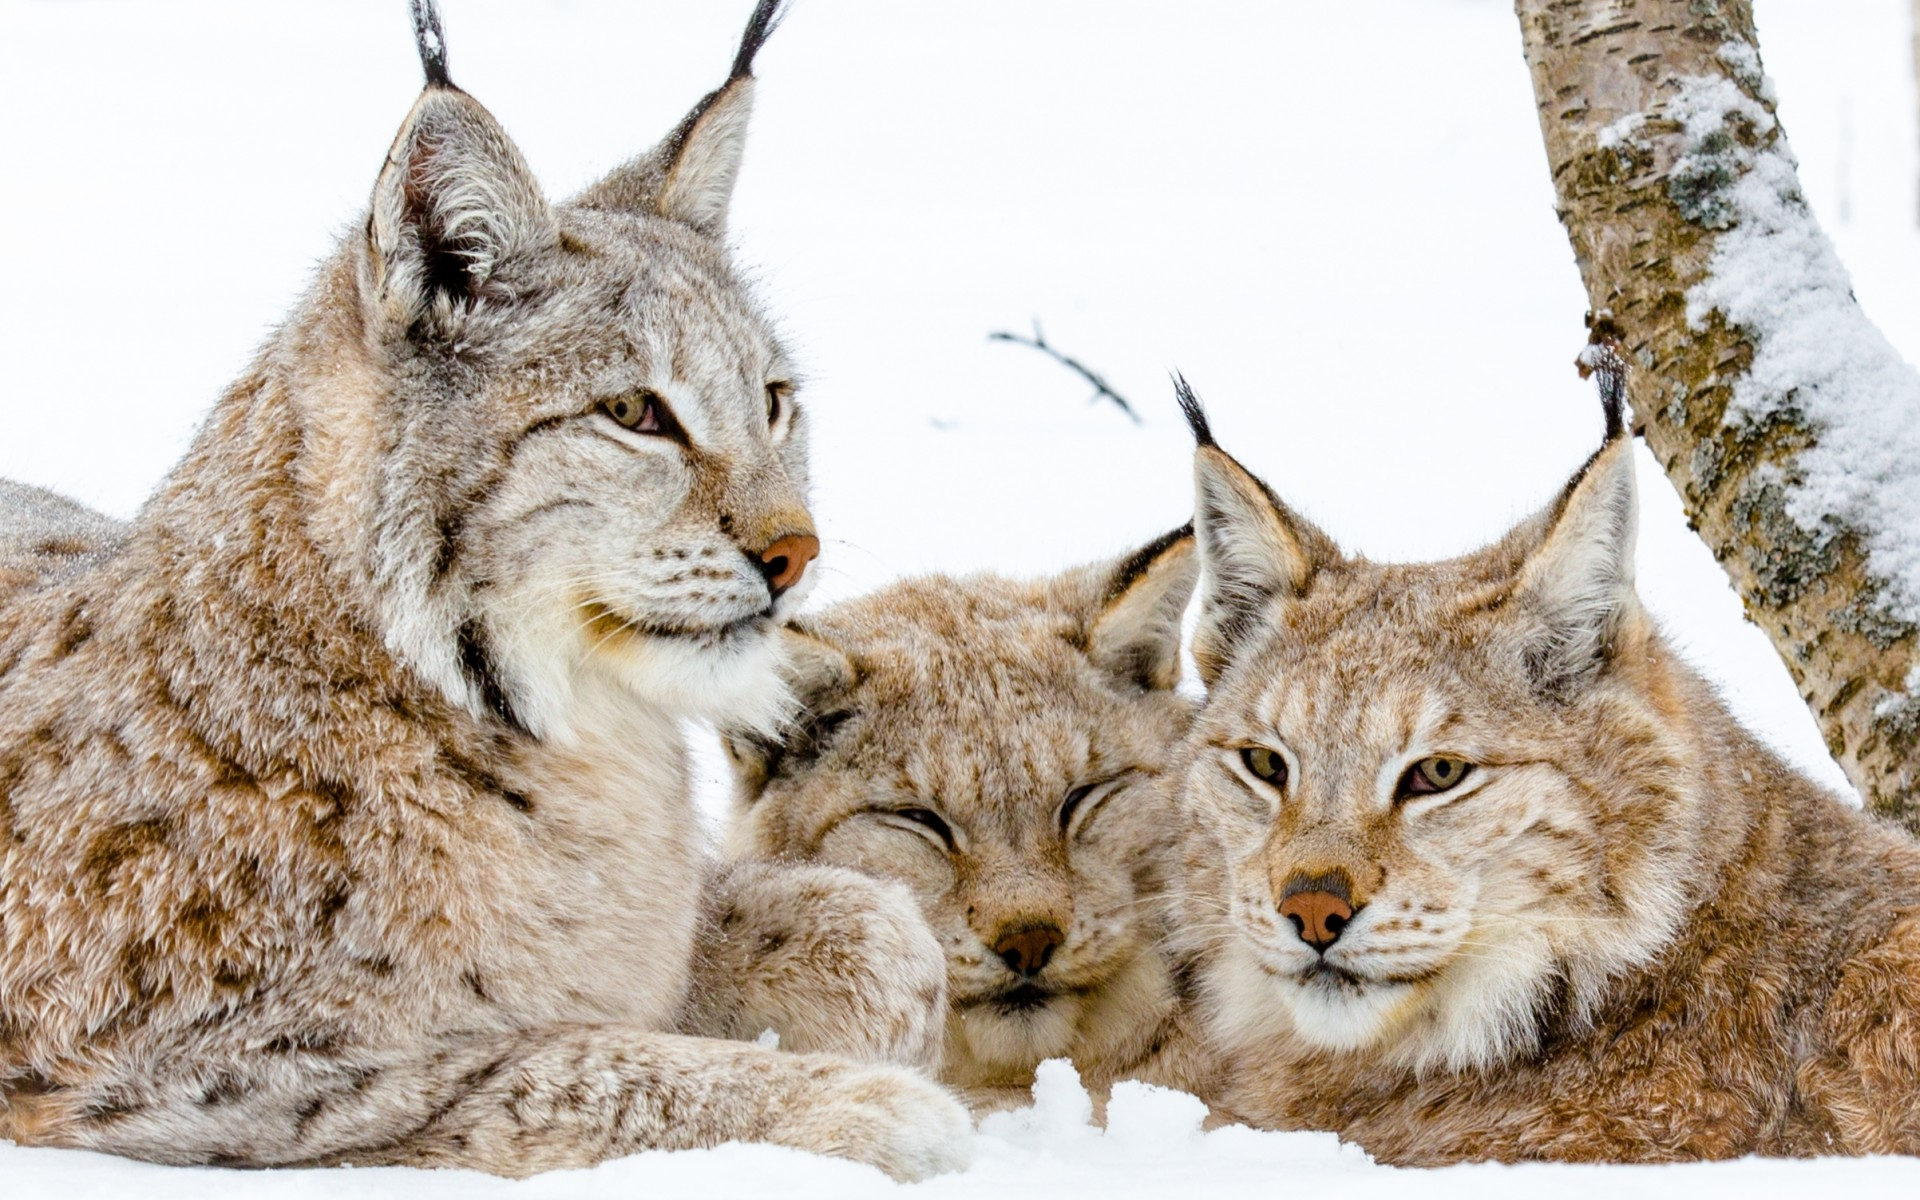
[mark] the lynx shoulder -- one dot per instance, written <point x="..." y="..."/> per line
<point x="1502" y="877"/>
<point x="343" y="810"/>
<point x="1000" y="748"/>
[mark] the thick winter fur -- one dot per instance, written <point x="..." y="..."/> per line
<point x="343" y="805"/>
<point x="1630" y="932"/>
<point x="1001" y="748"/>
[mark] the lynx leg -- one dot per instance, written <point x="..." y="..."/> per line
<point x="831" y="960"/>
<point x="517" y="1103"/>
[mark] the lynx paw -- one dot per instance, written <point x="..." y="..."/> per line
<point x="835" y="962"/>
<point x="901" y="1122"/>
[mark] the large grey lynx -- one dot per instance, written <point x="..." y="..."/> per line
<point x="343" y="802"/>
<point x="1001" y="747"/>
<point x="1497" y="876"/>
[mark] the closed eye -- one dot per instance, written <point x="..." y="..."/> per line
<point x="1081" y="803"/>
<point x="922" y="821"/>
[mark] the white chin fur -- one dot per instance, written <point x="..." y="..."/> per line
<point x="1016" y="1041"/>
<point x="735" y="683"/>
<point x="544" y="656"/>
<point x="1479" y="1010"/>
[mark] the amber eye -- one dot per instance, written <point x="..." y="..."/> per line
<point x="777" y="393"/>
<point x="1431" y="776"/>
<point x="1265" y="764"/>
<point x="638" y="411"/>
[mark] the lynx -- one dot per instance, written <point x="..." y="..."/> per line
<point x="1500" y="876"/>
<point x="1000" y="748"/>
<point x="343" y="799"/>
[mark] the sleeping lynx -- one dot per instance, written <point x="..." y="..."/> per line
<point x="343" y="806"/>
<point x="1501" y="877"/>
<point x="999" y="748"/>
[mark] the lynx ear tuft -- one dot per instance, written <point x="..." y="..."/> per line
<point x="818" y="675"/>
<point x="1253" y="548"/>
<point x="431" y="42"/>
<point x="1135" y="634"/>
<point x="1575" y="590"/>
<point x="689" y="177"/>
<point x="454" y="210"/>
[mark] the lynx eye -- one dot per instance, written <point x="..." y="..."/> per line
<point x="1083" y="801"/>
<point x="777" y="393"/>
<point x="641" y="412"/>
<point x="1266" y="765"/>
<point x="1431" y="776"/>
<point x="927" y="819"/>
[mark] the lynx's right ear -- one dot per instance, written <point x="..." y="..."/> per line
<point x="819" y="676"/>
<point x="1254" y="550"/>
<point x="689" y="177"/>
<point x="456" y="207"/>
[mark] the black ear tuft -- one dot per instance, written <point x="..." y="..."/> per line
<point x="1602" y="360"/>
<point x="766" y="18"/>
<point x="1191" y="410"/>
<point x="431" y="42"/>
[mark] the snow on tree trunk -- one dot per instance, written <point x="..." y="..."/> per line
<point x="1916" y="93"/>
<point x="1787" y="422"/>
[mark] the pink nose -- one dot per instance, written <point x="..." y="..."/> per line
<point x="786" y="560"/>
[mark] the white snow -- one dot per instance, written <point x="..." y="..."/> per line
<point x="1775" y="274"/>
<point x="1335" y="218"/>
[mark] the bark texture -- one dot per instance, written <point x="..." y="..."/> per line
<point x="1644" y="203"/>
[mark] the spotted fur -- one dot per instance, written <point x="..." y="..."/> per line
<point x="344" y="813"/>
<point x="1001" y="748"/>
<point x="1631" y="932"/>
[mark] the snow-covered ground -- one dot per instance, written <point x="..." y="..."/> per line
<point x="1335" y="218"/>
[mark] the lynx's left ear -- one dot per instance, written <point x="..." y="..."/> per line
<point x="1132" y="631"/>
<point x="1575" y="590"/>
<point x="818" y="675"/>
<point x="689" y="177"/>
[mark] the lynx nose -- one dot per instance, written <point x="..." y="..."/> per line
<point x="784" y="562"/>
<point x="1319" y="907"/>
<point x="1027" y="950"/>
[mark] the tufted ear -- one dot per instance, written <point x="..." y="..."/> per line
<point x="689" y="177"/>
<point x="1574" y="593"/>
<point x="456" y="209"/>
<point x="1253" y="548"/>
<point x="819" y="676"/>
<point x="1133" y="630"/>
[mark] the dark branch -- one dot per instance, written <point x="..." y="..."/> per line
<point x="1100" y="386"/>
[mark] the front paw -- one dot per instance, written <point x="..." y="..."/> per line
<point x="893" y="1119"/>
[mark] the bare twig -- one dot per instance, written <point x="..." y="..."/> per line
<point x="1039" y="342"/>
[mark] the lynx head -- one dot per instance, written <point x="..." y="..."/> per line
<point x="1433" y="803"/>
<point x="998" y="746"/>
<point x="559" y="439"/>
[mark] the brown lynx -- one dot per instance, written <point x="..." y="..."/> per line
<point x="344" y="812"/>
<point x="1501" y="876"/>
<point x="999" y="747"/>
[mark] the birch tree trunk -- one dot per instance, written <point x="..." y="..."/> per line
<point x="1787" y="423"/>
